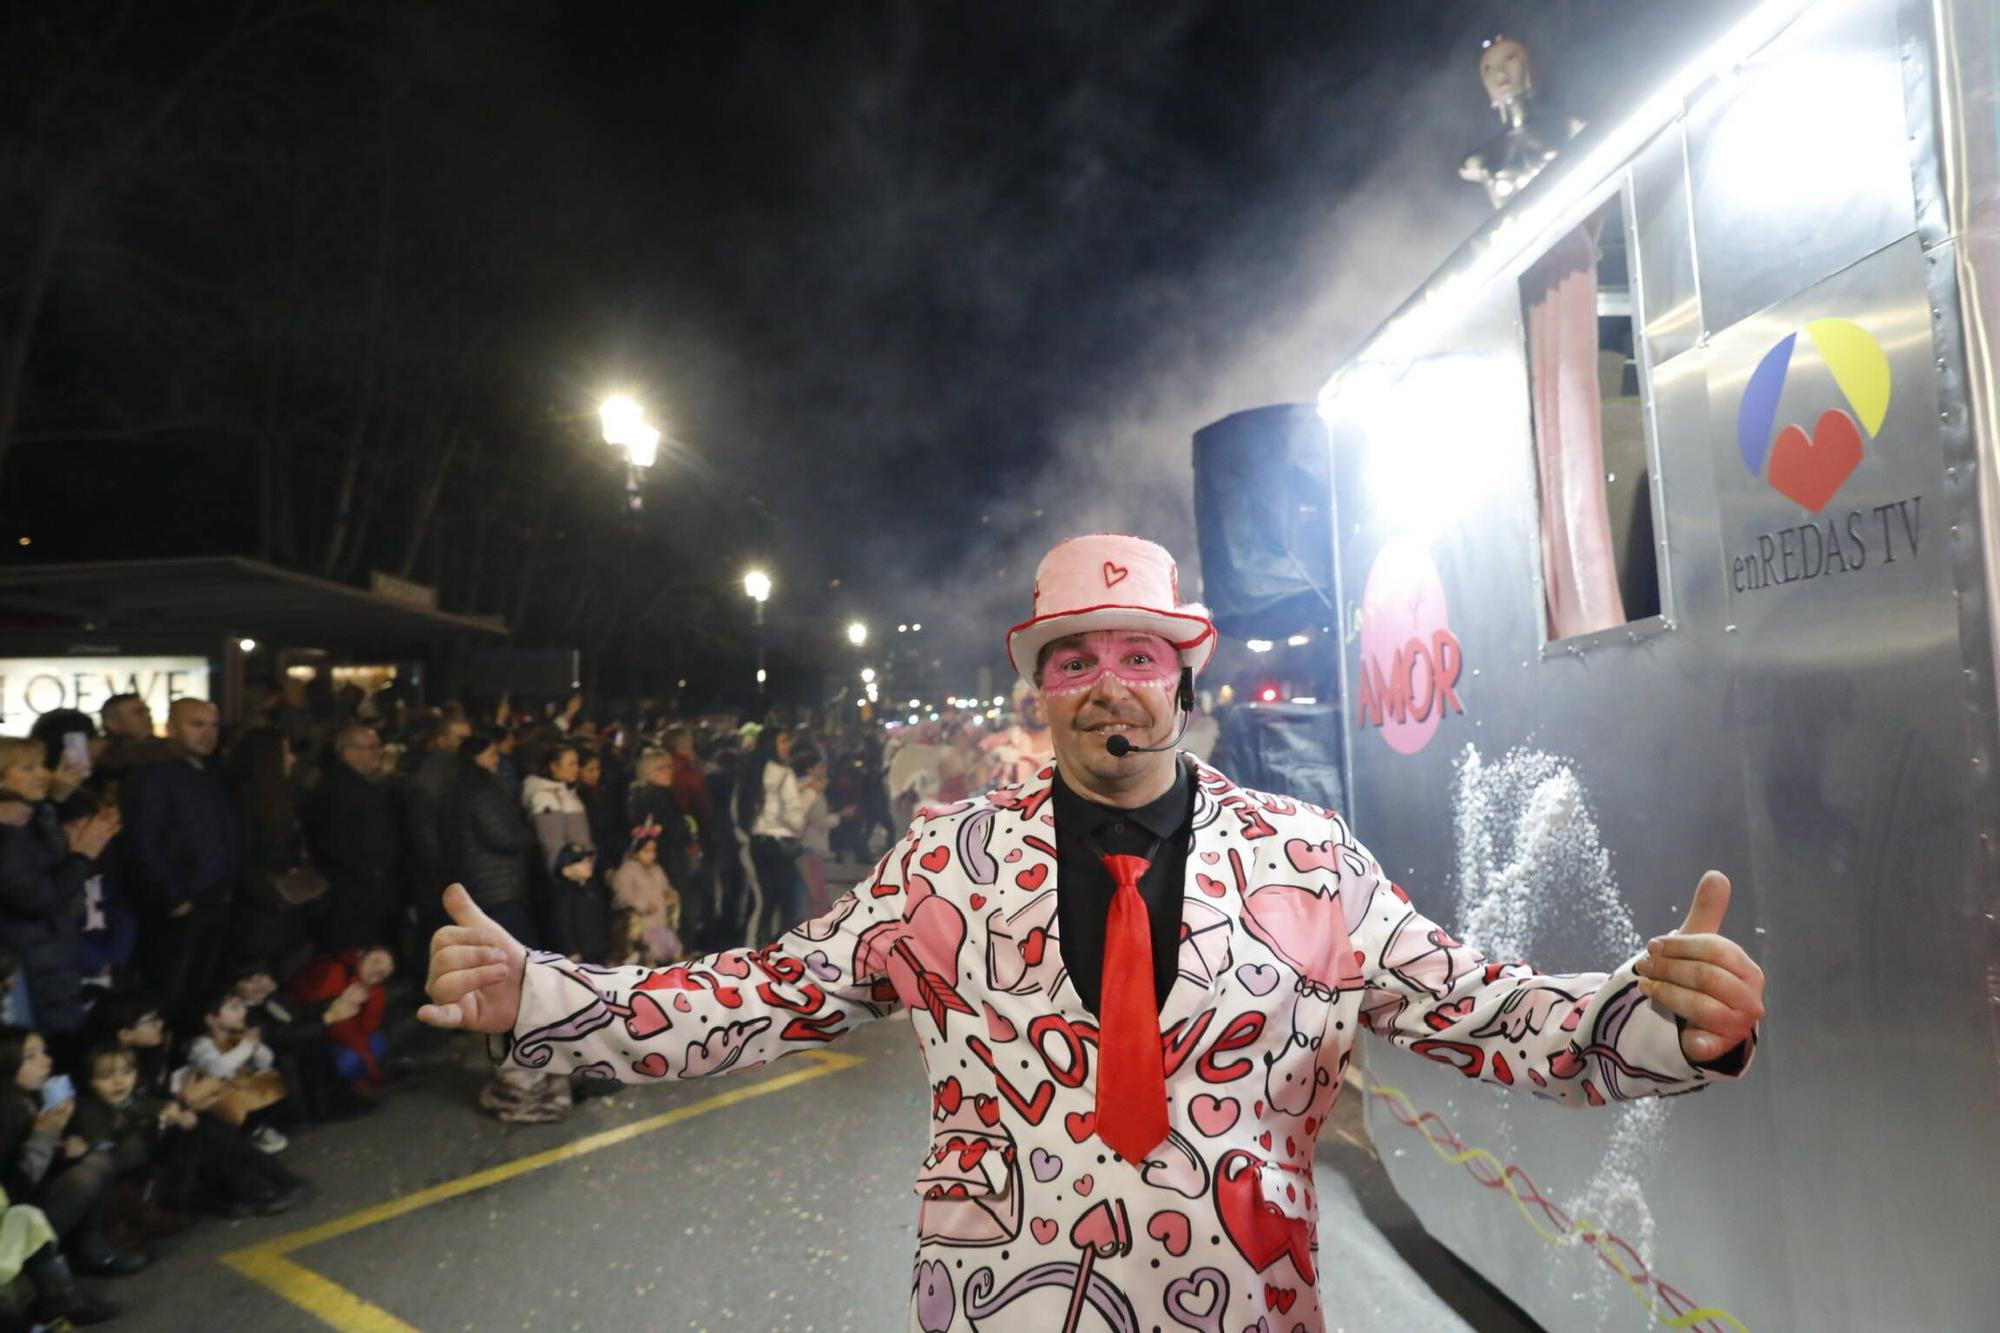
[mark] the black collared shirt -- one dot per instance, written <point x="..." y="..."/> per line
<point x="1084" y="886"/>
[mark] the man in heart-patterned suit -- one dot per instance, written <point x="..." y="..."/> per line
<point x="1136" y="986"/>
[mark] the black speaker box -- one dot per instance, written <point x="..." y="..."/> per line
<point x="1263" y="511"/>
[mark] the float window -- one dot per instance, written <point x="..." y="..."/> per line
<point x="1600" y="563"/>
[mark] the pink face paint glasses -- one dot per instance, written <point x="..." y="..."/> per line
<point x="1158" y="673"/>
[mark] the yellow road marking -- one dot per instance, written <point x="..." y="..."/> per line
<point x="266" y="1262"/>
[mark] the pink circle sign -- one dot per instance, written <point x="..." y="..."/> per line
<point x="1407" y="679"/>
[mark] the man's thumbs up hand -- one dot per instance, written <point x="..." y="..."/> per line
<point x="1704" y="978"/>
<point x="476" y="970"/>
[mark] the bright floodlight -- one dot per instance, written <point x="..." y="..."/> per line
<point x="1258" y="645"/>
<point x="758" y="584"/>
<point x="642" y="446"/>
<point x="867" y="674"/>
<point x="622" y="418"/>
<point x="857" y="634"/>
<point x="247" y="645"/>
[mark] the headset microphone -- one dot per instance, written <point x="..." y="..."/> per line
<point x="1119" y="747"/>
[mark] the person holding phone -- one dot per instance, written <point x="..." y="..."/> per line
<point x="43" y="1162"/>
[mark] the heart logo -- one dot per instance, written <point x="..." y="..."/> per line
<point x="1214" y="888"/>
<point x="978" y="901"/>
<point x="1279" y="1298"/>
<point x="950" y="1096"/>
<point x="1031" y="878"/>
<point x="1084" y="1185"/>
<point x="1211" y="857"/>
<point x="681" y="1003"/>
<point x="1046" y="1165"/>
<point x="653" y="1066"/>
<point x="647" y="1017"/>
<point x="821" y="966"/>
<point x="1044" y="1228"/>
<point x="987" y="1109"/>
<point x="1114" y="574"/>
<point x="936" y="859"/>
<point x="1257" y="978"/>
<point x="1213" y="1115"/>
<point x="1080" y="1124"/>
<point x="1812" y="471"/>
<point x="1172" y="1230"/>
<point x="1012" y="856"/>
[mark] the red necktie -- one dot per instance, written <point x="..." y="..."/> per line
<point x="1131" y="1072"/>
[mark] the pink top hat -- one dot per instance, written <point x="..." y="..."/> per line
<point x="1110" y="580"/>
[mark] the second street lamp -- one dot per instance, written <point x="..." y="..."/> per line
<point x="758" y="584"/>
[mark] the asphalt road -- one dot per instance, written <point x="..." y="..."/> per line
<point x="780" y="1199"/>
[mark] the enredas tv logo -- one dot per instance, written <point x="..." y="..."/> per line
<point x="1811" y="469"/>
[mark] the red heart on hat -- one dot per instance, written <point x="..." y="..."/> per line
<point x="1114" y="574"/>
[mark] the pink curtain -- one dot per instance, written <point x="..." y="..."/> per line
<point x="1579" y="574"/>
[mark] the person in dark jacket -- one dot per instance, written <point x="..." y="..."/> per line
<point x="487" y="837"/>
<point x="604" y="807"/>
<point x="180" y="859"/>
<point x="424" y="794"/>
<point x="295" y="1030"/>
<point x="351" y="830"/>
<point x="273" y="844"/>
<point x="652" y="799"/>
<point x="43" y="868"/>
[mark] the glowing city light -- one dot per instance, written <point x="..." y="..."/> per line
<point x="857" y="634"/>
<point x="758" y="584"/>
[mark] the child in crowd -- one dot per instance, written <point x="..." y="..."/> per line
<point x="175" y="1153"/>
<point x="132" y="1019"/>
<point x="640" y="886"/>
<point x="234" y="1052"/>
<point x="355" y="1042"/>
<point x="296" y="1033"/>
<point x="577" y="916"/>
<point x="46" y="1163"/>
<point x="113" y="1117"/>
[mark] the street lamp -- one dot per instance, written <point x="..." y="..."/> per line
<point x="857" y="634"/>
<point x="758" y="584"/>
<point x="867" y="675"/>
<point x="625" y="428"/>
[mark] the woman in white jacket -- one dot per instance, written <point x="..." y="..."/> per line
<point x="771" y="808"/>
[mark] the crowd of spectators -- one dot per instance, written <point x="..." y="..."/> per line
<point x="201" y="933"/>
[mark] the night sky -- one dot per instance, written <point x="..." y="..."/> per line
<point x="916" y="290"/>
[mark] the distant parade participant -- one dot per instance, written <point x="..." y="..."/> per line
<point x="1019" y="751"/>
<point x="1136" y="987"/>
